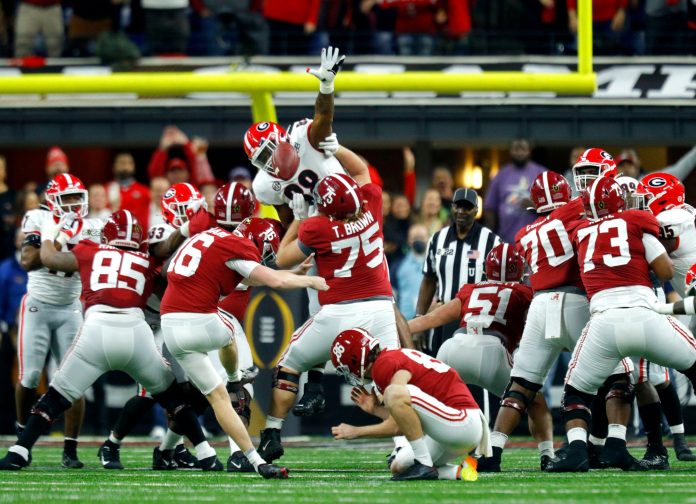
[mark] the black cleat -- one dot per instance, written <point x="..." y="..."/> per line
<point x="70" y="461"/>
<point x="545" y="462"/>
<point x="239" y="463"/>
<point x="313" y="401"/>
<point x="618" y="456"/>
<point x="270" y="446"/>
<point x="594" y="452"/>
<point x="110" y="455"/>
<point x="573" y="459"/>
<point x="655" y="459"/>
<point x="13" y="462"/>
<point x="184" y="459"/>
<point x="417" y="471"/>
<point x="681" y="449"/>
<point x="211" y="464"/>
<point x="490" y="464"/>
<point x="163" y="460"/>
<point x="272" y="471"/>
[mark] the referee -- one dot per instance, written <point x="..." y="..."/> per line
<point x="456" y="255"/>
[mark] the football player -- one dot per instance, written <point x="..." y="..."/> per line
<point x="616" y="251"/>
<point x="417" y="396"/>
<point x="116" y="279"/>
<point x="51" y="312"/>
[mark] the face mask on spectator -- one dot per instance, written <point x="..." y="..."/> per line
<point x="419" y="247"/>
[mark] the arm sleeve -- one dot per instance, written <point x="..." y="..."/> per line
<point x="383" y="372"/>
<point x="242" y="266"/>
<point x="683" y="168"/>
<point x="653" y="247"/>
<point x="410" y="186"/>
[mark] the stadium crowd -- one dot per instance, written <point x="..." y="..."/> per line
<point x="404" y="27"/>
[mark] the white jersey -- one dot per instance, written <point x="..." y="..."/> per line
<point x="157" y="233"/>
<point x="314" y="165"/>
<point x="679" y="223"/>
<point x="56" y="287"/>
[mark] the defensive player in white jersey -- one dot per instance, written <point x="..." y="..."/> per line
<point x="51" y="312"/>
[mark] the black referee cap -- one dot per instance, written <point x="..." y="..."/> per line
<point x="463" y="194"/>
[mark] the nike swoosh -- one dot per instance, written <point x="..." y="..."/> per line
<point x="238" y="466"/>
<point x="265" y="446"/>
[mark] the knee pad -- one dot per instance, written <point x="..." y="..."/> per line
<point x="172" y="399"/>
<point x="241" y="402"/>
<point x="621" y="388"/>
<point x="575" y="405"/>
<point x="51" y="405"/>
<point x="194" y="397"/>
<point x="278" y="375"/>
<point x="532" y="387"/>
<point x="513" y="398"/>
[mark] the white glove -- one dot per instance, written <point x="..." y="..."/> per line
<point x="331" y="62"/>
<point x="299" y="206"/>
<point x="50" y="229"/>
<point x="329" y="145"/>
<point x="197" y="205"/>
<point x="313" y="211"/>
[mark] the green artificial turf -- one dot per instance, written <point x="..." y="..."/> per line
<point x="335" y="473"/>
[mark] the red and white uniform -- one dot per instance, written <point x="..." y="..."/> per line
<point x="559" y="309"/>
<point x="679" y="223"/>
<point x="451" y="419"/>
<point x="114" y="336"/>
<point x="51" y="313"/>
<point x="207" y="267"/>
<point x="614" y="254"/>
<point x="350" y="256"/>
<point x="492" y="320"/>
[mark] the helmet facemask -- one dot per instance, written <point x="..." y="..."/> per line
<point x="263" y="155"/>
<point x="60" y="207"/>
<point x="180" y="211"/>
<point x="584" y="175"/>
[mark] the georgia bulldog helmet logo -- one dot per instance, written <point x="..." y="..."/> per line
<point x="657" y="182"/>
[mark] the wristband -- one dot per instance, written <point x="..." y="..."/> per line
<point x="184" y="230"/>
<point x="326" y="87"/>
<point x="663" y="308"/>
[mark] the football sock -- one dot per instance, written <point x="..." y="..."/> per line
<point x="70" y="446"/>
<point x="114" y="439"/>
<point x="447" y="472"/>
<point x="597" y="441"/>
<point x="234" y="377"/>
<point x="234" y="447"/>
<point x="133" y="411"/>
<point x="677" y="429"/>
<point x="651" y="415"/>
<point x="204" y="450"/>
<point x="671" y="406"/>
<point x="170" y="440"/>
<point x="274" y="423"/>
<point x="498" y="439"/>
<point x="617" y="431"/>
<point x="577" y="434"/>
<point x="546" y="448"/>
<point x="254" y="458"/>
<point x="420" y="451"/>
<point x="21" y="451"/>
<point x="36" y="426"/>
<point x="599" y="413"/>
<point x="400" y="441"/>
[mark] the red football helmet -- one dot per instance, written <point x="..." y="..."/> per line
<point x="123" y="229"/>
<point x="63" y="186"/>
<point x="233" y="204"/>
<point x="690" y="281"/>
<point x="260" y="140"/>
<point x="504" y="264"/>
<point x="179" y="203"/>
<point x="549" y="191"/>
<point x="338" y="196"/>
<point x="662" y="191"/>
<point x="592" y="164"/>
<point x="265" y="233"/>
<point x="603" y="198"/>
<point x="351" y="352"/>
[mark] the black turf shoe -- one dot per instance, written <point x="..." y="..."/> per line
<point x="70" y="461"/>
<point x="211" y="464"/>
<point x="313" y="401"/>
<point x="184" y="459"/>
<point x="545" y="461"/>
<point x="594" y="452"/>
<point x="417" y="471"/>
<point x="490" y="464"/>
<point x="655" y="459"/>
<point x="270" y="447"/>
<point x="681" y="448"/>
<point x="163" y="460"/>
<point x="573" y="459"/>
<point x="110" y="455"/>
<point x="272" y="471"/>
<point x="239" y="463"/>
<point x="13" y="462"/>
<point x="616" y="455"/>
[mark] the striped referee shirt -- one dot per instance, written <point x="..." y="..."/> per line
<point x="457" y="262"/>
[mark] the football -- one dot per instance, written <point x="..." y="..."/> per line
<point x="285" y="161"/>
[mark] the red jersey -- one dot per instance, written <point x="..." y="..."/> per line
<point x="498" y="306"/>
<point x="611" y="252"/>
<point x="198" y="275"/>
<point x="136" y="198"/>
<point x="349" y="255"/>
<point x="548" y="249"/>
<point x="114" y="277"/>
<point x="236" y="303"/>
<point x="430" y="375"/>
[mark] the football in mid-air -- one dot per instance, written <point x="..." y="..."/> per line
<point x="285" y="161"/>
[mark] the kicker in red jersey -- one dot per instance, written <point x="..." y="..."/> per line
<point x="430" y="375"/>
<point x="611" y="252"/>
<point x="114" y="277"/>
<point x="198" y="275"/>
<point x="548" y="249"/>
<point x="500" y="307"/>
<point x="349" y="254"/>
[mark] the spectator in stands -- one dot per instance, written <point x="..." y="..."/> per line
<point x="158" y="186"/>
<point x="291" y="23"/>
<point x="396" y="226"/>
<point x="167" y="28"/>
<point x="98" y="203"/>
<point x="90" y="18"/>
<point x="382" y="21"/>
<point x="506" y="201"/>
<point x="431" y="213"/>
<point x="417" y="25"/>
<point x="208" y="191"/>
<point x="386" y="203"/>
<point x="666" y="30"/>
<point x="177" y="152"/>
<point x="628" y="163"/>
<point x="409" y="273"/>
<point x="443" y="183"/>
<point x="240" y="174"/>
<point x="126" y="193"/>
<point x="608" y="20"/>
<point x="56" y="162"/>
<point x="238" y="27"/>
<point x="26" y="200"/>
<point x="8" y="199"/>
<point x="36" y="17"/>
